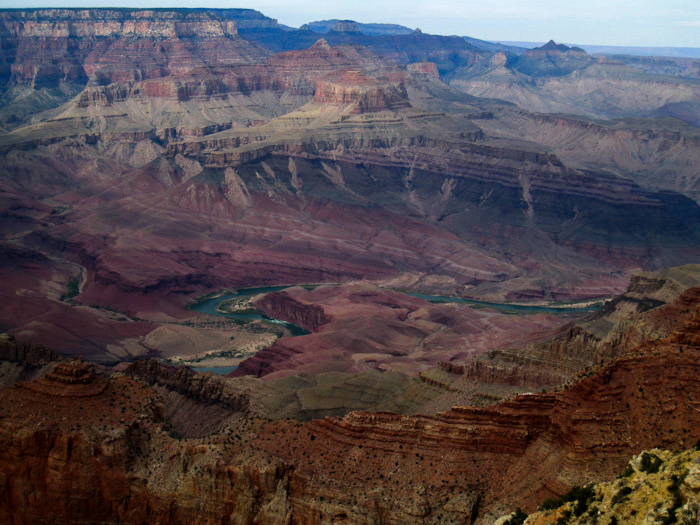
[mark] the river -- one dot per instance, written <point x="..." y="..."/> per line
<point x="211" y="306"/>
<point x="509" y="308"/>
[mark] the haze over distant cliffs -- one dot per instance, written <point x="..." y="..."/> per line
<point x="153" y="154"/>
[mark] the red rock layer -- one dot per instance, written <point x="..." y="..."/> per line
<point x="362" y="327"/>
<point x="427" y="68"/>
<point x="541" y="443"/>
<point x="106" y="457"/>
<point x="281" y="305"/>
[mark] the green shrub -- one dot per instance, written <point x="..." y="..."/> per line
<point x="624" y="491"/>
<point x="564" y="518"/>
<point x="581" y="495"/>
<point x="629" y="470"/>
<point x="518" y="518"/>
<point x="651" y="463"/>
<point x="551" y="504"/>
<point x="73" y="289"/>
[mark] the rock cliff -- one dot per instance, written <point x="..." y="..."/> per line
<point x="281" y="305"/>
<point x="345" y="158"/>
<point x="361" y="327"/>
<point x="106" y="454"/>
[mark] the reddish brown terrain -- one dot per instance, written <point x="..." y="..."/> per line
<point x="154" y="155"/>
<point x="360" y="327"/>
<point x="107" y="455"/>
<point x="151" y="156"/>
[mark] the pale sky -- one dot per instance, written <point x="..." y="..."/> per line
<point x="661" y="23"/>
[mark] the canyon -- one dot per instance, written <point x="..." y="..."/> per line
<point x="154" y="158"/>
<point x="118" y="432"/>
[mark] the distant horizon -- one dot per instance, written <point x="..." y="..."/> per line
<point x="670" y="51"/>
<point x="676" y="24"/>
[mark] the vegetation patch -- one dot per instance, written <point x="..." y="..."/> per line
<point x="621" y="495"/>
<point x="72" y="290"/>
<point x="580" y="495"/>
<point x="651" y="463"/>
<point x="518" y="518"/>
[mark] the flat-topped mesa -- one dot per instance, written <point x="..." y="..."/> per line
<point x="367" y="93"/>
<point x="321" y="58"/>
<point x="64" y="23"/>
<point x="428" y="69"/>
<point x="346" y="26"/>
<point x="69" y="379"/>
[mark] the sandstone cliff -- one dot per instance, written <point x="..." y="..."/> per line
<point x="336" y="160"/>
<point x="106" y="455"/>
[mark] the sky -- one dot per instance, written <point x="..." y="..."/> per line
<point x="659" y="23"/>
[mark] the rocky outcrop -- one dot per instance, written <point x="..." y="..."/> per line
<point x="112" y="450"/>
<point x="203" y="388"/>
<point x="427" y="68"/>
<point x="65" y="23"/>
<point x="366" y="94"/>
<point x="657" y="486"/>
<point x="108" y="458"/>
<point x="652" y="308"/>
<point x="592" y="426"/>
<point x="99" y="42"/>
<point x="69" y="379"/>
<point x="23" y="362"/>
<point x="361" y="327"/>
<point x="281" y="305"/>
<point x="25" y="353"/>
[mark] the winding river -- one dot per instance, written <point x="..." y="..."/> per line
<point x="508" y="308"/>
<point x="211" y="306"/>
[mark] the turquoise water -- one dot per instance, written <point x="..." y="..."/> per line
<point x="210" y="306"/>
<point x="222" y="370"/>
<point x="507" y="308"/>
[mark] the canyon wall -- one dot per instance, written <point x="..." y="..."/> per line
<point x="109" y="444"/>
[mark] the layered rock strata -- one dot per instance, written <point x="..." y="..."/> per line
<point x="369" y="166"/>
<point x="107" y="457"/>
<point x="360" y="327"/>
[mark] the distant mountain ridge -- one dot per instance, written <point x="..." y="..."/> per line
<point x="677" y="52"/>
<point x="324" y="26"/>
<point x="215" y="120"/>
